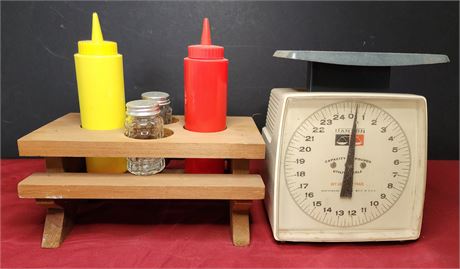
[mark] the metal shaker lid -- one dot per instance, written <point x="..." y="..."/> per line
<point x="142" y="108"/>
<point x="161" y="97"/>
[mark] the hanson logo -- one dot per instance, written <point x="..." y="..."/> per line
<point x="344" y="139"/>
<point x="348" y="130"/>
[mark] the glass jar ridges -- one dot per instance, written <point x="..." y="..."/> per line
<point x="143" y="121"/>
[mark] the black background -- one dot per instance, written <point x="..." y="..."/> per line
<point x="39" y="39"/>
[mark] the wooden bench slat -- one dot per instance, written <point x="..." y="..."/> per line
<point x="127" y="186"/>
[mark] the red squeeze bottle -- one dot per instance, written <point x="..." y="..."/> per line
<point x="205" y="87"/>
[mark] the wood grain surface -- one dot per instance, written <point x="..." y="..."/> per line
<point x="127" y="186"/>
<point x="65" y="138"/>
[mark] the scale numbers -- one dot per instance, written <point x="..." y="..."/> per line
<point x="317" y="153"/>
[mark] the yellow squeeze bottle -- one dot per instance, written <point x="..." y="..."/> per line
<point x="101" y="92"/>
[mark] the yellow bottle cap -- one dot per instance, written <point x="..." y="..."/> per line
<point x="97" y="45"/>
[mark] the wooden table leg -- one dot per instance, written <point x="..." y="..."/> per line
<point x="240" y="166"/>
<point x="60" y="214"/>
<point x="239" y="222"/>
<point x="65" y="164"/>
<point x="58" y="222"/>
<point x="239" y="210"/>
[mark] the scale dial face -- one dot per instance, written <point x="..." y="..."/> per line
<point x="378" y="159"/>
<point x="345" y="167"/>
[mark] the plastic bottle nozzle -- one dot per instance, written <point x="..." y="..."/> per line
<point x="206" y="50"/>
<point x="97" y="45"/>
<point x="206" y="34"/>
<point x="96" y="34"/>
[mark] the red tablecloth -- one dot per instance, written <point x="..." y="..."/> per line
<point x="196" y="233"/>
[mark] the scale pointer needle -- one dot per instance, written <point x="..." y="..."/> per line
<point x="347" y="182"/>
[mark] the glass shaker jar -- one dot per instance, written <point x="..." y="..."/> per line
<point x="165" y="104"/>
<point x="143" y="121"/>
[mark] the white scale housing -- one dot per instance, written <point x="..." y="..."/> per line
<point x="324" y="217"/>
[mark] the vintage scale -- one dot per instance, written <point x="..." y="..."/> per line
<point x="346" y="164"/>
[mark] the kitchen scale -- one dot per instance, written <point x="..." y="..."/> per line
<point x="346" y="166"/>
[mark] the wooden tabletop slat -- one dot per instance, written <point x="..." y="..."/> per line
<point x="65" y="138"/>
<point x="128" y="186"/>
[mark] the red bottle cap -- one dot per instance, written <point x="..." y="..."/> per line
<point x="205" y="50"/>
